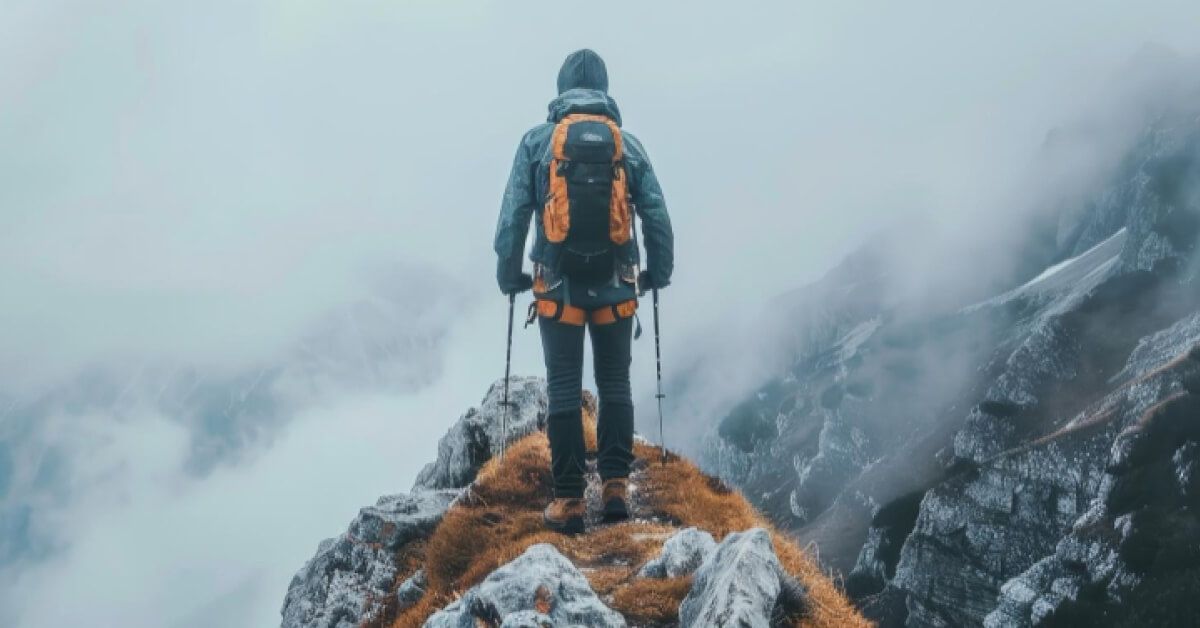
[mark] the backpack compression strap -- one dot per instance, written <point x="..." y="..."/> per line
<point x="556" y="217"/>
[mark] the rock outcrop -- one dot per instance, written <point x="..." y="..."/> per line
<point x="1133" y="558"/>
<point x="350" y="579"/>
<point x="478" y="435"/>
<point x="737" y="585"/>
<point x="681" y="555"/>
<point x="540" y="588"/>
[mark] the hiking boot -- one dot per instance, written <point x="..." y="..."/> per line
<point x="615" y="497"/>
<point x="565" y="515"/>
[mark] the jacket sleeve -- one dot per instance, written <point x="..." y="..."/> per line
<point x="659" y="239"/>
<point x="515" y="212"/>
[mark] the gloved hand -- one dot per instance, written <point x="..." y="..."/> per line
<point x="646" y="281"/>
<point x="516" y="284"/>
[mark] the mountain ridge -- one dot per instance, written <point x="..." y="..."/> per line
<point x="467" y="547"/>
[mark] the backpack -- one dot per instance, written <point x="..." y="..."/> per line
<point x="587" y="205"/>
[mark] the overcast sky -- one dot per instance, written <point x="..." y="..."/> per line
<point x="211" y="184"/>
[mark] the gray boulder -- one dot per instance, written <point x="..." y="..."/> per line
<point x="682" y="554"/>
<point x="411" y="591"/>
<point x="479" y="433"/>
<point x="540" y="587"/>
<point x="527" y="619"/>
<point x="737" y="585"/>
<point x="349" y="579"/>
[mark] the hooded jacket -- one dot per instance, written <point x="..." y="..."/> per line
<point x="582" y="84"/>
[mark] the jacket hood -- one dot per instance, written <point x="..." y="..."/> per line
<point x="581" y="100"/>
<point x="583" y="69"/>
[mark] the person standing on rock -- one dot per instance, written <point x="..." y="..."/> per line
<point x="585" y="178"/>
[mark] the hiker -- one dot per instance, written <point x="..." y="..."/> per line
<point x="585" y="178"/>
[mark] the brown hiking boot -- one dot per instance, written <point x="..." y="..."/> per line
<point x="565" y="515"/>
<point x="615" y="497"/>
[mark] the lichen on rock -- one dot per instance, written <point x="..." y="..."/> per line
<point x="681" y="555"/>
<point x="541" y="584"/>
<point x="350" y="578"/>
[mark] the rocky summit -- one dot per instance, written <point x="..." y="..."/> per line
<point x="1026" y="457"/>
<point x="466" y="547"/>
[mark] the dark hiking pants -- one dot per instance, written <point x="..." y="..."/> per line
<point x="562" y="345"/>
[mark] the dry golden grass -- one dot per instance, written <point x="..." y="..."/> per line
<point x="500" y="517"/>
<point x="651" y="601"/>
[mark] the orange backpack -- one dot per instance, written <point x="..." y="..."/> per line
<point x="587" y="206"/>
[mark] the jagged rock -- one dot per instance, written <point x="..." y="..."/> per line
<point x="527" y="619"/>
<point x="1162" y="347"/>
<point x="538" y="586"/>
<point x="876" y="564"/>
<point x="1134" y="557"/>
<point x="972" y="533"/>
<point x="841" y="452"/>
<point x="682" y="554"/>
<point x="479" y="433"/>
<point x="738" y="584"/>
<point x="871" y="572"/>
<point x="349" y="579"/>
<point x="410" y="592"/>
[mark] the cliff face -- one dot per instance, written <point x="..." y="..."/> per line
<point x="973" y="466"/>
<point x="466" y="547"/>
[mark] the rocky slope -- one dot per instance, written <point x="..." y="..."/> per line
<point x="466" y="548"/>
<point x="1027" y="459"/>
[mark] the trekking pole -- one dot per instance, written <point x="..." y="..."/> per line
<point x="512" y="298"/>
<point x="662" y="438"/>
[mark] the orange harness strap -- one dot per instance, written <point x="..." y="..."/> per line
<point x="572" y="315"/>
<point x="614" y="313"/>
<point x="566" y="314"/>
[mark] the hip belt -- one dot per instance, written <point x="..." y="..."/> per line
<point x="572" y="315"/>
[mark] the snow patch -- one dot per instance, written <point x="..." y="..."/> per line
<point x="849" y="344"/>
<point x="1070" y="278"/>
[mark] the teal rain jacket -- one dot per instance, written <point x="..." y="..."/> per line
<point x="528" y="185"/>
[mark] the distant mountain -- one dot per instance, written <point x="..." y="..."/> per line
<point x="377" y="342"/>
<point x="1025" y="459"/>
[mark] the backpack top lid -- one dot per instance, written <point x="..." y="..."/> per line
<point x="587" y="137"/>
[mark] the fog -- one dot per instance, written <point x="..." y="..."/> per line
<point x="290" y="207"/>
